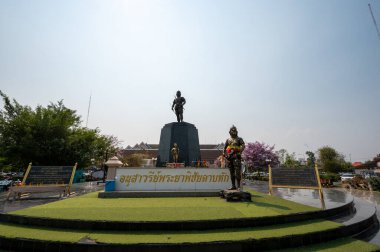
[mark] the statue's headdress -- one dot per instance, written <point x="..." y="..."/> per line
<point x="233" y="130"/>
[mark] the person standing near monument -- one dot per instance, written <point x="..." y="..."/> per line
<point x="177" y="106"/>
<point x="232" y="151"/>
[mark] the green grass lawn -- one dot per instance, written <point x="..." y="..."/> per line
<point x="137" y="237"/>
<point x="90" y="207"/>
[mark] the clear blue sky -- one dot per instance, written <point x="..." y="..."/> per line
<point x="297" y="74"/>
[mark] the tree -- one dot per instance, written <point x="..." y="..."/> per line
<point x="135" y="160"/>
<point x="282" y="155"/>
<point x="310" y="158"/>
<point x="48" y="136"/>
<point x="287" y="159"/>
<point x="87" y="144"/>
<point x="4" y="165"/>
<point x="291" y="161"/>
<point x="331" y="160"/>
<point x="257" y="155"/>
<point x="327" y="153"/>
<point x="370" y="164"/>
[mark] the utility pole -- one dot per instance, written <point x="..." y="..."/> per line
<point x="374" y="20"/>
<point x="88" y="110"/>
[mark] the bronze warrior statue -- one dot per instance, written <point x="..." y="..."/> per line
<point x="178" y="103"/>
<point x="232" y="151"/>
<point x="175" y="153"/>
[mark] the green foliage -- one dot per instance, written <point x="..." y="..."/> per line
<point x="327" y="153"/>
<point x="48" y="136"/>
<point x="375" y="183"/>
<point x="291" y="161"/>
<point x="346" y="166"/>
<point x="332" y="176"/>
<point x="332" y="166"/>
<point x="310" y="158"/>
<point x="331" y="160"/>
<point x="134" y="160"/>
<point x="288" y="159"/>
<point x="4" y="165"/>
<point x="282" y="155"/>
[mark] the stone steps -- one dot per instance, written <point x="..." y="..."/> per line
<point x="358" y="219"/>
<point x="178" y="225"/>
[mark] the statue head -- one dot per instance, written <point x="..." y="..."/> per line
<point x="178" y="93"/>
<point x="233" y="131"/>
<point x="175" y="145"/>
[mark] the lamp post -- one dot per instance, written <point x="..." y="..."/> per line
<point x="105" y="167"/>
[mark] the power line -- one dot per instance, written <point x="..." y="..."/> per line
<point x="374" y="20"/>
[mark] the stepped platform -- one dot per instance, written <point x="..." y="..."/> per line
<point x="183" y="224"/>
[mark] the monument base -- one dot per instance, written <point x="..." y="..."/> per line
<point x="158" y="194"/>
<point x="236" y="195"/>
<point x="185" y="135"/>
<point x="175" y="165"/>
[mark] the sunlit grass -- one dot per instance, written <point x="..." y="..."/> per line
<point x="90" y="207"/>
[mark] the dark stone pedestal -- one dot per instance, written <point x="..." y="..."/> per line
<point x="186" y="137"/>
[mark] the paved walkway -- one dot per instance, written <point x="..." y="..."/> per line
<point x="333" y="197"/>
<point x="43" y="198"/>
<point x="372" y="197"/>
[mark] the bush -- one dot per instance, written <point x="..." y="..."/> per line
<point x="331" y="176"/>
<point x="260" y="178"/>
<point x="375" y="184"/>
<point x="327" y="179"/>
<point x="358" y="182"/>
<point x="135" y="160"/>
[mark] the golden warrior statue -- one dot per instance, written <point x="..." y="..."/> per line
<point x="232" y="152"/>
<point x="175" y="153"/>
<point x="177" y="106"/>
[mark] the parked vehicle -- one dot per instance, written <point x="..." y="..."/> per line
<point x="97" y="175"/>
<point x="346" y="176"/>
<point x="5" y="184"/>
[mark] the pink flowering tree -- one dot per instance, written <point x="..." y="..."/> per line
<point x="256" y="155"/>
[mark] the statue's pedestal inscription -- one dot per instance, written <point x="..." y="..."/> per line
<point x="166" y="179"/>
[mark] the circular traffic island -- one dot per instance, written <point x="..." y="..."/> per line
<point x="89" y="223"/>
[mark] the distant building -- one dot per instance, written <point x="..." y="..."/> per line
<point x="356" y="164"/>
<point x="373" y="165"/>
